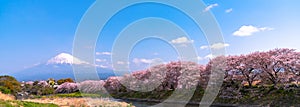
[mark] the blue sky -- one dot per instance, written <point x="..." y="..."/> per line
<point x="33" y="31"/>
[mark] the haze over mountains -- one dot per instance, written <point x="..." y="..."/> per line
<point x="58" y="67"/>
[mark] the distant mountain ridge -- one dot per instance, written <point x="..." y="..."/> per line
<point x="58" y="67"/>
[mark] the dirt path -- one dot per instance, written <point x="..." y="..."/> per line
<point x="6" y="97"/>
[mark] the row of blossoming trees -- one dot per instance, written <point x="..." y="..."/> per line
<point x="276" y="68"/>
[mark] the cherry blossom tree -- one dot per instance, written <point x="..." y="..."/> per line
<point x="92" y="86"/>
<point x="212" y="65"/>
<point x="113" y="85"/>
<point x="171" y="76"/>
<point x="248" y="66"/>
<point x="273" y="62"/>
<point x="67" y="88"/>
<point x="292" y="66"/>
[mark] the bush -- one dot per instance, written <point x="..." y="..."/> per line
<point x="39" y="88"/>
<point x="61" y="81"/>
<point x="4" y="90"/>
<point x="10" y="83"/>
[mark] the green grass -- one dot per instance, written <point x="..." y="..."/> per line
<point x="5" y="90"/>
<point x="78" y="94"/>
<point x="73" y="95"/>
<point x="24" y="104"/>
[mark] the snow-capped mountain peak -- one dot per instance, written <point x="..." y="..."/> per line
<point x="65" y="58"/>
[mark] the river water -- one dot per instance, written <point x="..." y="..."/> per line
<point x="154" y="104"/>
<point x="146" y="104"/>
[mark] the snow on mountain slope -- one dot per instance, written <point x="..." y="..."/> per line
<point x="65" y="58"/>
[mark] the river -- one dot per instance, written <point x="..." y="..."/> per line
<point x="175" y="104"/>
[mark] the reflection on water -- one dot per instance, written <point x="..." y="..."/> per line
<point x="143" y="104"/>
<point x="175" y="104"/>
<point x="147" y="104"/>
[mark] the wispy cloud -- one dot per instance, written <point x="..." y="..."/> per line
<point x="210" y="7"/>
<point x="250" y="30"/>
<point x="102" y="66"/>
<point x="103" y="53"/>
<point x="36" y="64"/>
<point x="229" y="10"/>
<point x="101" y="60"/>
<point x="215" y="46"/>
<point x="122" y="62"/>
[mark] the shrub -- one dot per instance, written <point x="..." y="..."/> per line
<point x="4" y="90"/>
<point x="51" y="82"/>
<point x="10" y="83"/>
<point x="38" y="88"/>
<point x="61" y="81"/>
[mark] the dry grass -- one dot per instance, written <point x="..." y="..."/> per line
<point x="80" y="102"/>
<point x="6" y="97"/>
<point x="71" y="102"/>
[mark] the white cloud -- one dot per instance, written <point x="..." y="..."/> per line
<point x="210" y="7"/>
<point x="199" y="58"/>
<point x="209" y="56"/>
<point x="229" y="10"/>
<point x="138" y="61"/>
<point x="103" y="53"/>
<point x="204" y="47"/>
<point x="266" y="29"/>
<point x="250" y="30"/>
<point x="183" y="58"/>
<point x="101" y="60"/>
<point x="122" y="62"/>
<point x="102" y="66"/>
<point x="182" y="40"/>
<point x="145" y="61"/>
<point x="215" y="46"/>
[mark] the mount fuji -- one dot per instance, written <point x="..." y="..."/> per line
<point x="58" y="67"/>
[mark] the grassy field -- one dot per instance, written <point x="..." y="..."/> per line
<point x="16" y="103"/>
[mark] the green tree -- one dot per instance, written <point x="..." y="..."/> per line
<point x="51" y="82"/>
<point x="39" y="88"/>
<point x="61" y="81"/>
